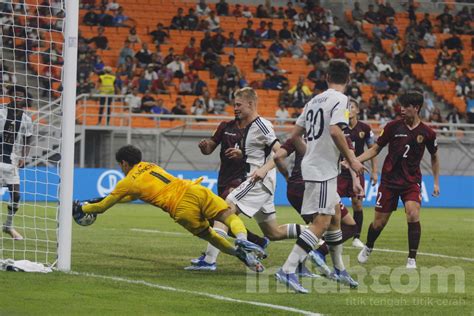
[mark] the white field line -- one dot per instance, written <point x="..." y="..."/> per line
<point x="375" y="249"/>
<point x="196" y="293"/>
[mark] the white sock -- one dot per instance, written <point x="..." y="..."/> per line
<point x="297" y="255"/>
<point x="333" y="239"/>
<point x="241" y="236"/>
<point x="11" y="213"/>
<point x="294" y="230"/>
<point x="306" y="242"/>
<point x="211" y="251"/>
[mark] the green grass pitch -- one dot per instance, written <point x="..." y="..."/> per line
<point x="136" y="254"/>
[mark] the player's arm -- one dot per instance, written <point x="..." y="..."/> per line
<point x="339" y="139"/>
<point x="370" y="153"/>
<point x="117" y="195"/>
<point x="373" y="164"/>
<point x="261" y="172"/>
<point x="207" y="146"/>
<point x="435" y="169"/>
<point x="298" y="140"/>
<point x="279" y="159"/>
<point x="356" y="186"/>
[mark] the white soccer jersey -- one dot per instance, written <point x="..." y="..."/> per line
<point x="259" y="138"/>
<point x="321" y="161"/>
<point x="21" y="129"/>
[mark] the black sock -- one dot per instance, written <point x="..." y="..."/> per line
<point x="414" y="235"/>
<point x="358" y="218"/>
<point x="252" y="238"/>
<point x="372" y="236"/>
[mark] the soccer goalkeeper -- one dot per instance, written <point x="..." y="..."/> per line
<point x="190" y="204"/>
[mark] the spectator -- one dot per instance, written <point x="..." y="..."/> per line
<point x="112" y="6"/>
<point x="210" y="58"/>
<point x="218" y="42"/>
<point x="202" y="8"/>
<point x="190" y="50"/>
<point x="470" y="107"/>
<point x="198" y="108"/>
<point x="191" y="21"/>
<point x="271" y="33"/>
<point x="105" y="19"/>
<point x="425" y="23"/>
<point x="381" y="85"/>
<point x="214" y="22"/>
<point x="429" y="39"/>
<point x="284" y="33"/>
<point x="375" y="107"/>
<point x="281" y="114"/>
<point x="159" y="108"/>
<point x="125" y="52"/>
<point x="391" y="31"/>
<point x="237" y="13"/>
<point x="463" y="84"/>
<point x="247" y="34"/>
<point x="148" y="102"/>
<point x="445" y="19"/>
<point x="106" y="88"/>
<point x="217" y="70"/>
<point x="353" y="91"/>
<point x="300" y="93"/>
<point x="177" y="67"/>
<point x="397" y="48"/>
<point x="371" y="16"/>
<point x="178" y="22"/>
<point x="277" y="48"/>
<point x="199" y="85"/>
<point x="458" y="57"/>
<point x="454" y="42"/>
<point x="144" y="56"/>
<point x="206" y="42"/>
<point x="133" y="101"/>
<point x="261" y="32"/>
<point x="262" y="12"/>
<point x="170" y="57"/>
<point x="436" y="116"/>
<point x="231" y="41"/>
<point x="246" y="13"/>
<point x="290" y="12"/>
<point x="386" y="11"/>
<point x="179" y="108"/>
<point x="160" y="36"/>
<point x="284" y="97"/>
<point x="90" y="19"/>
<point x="295" y="50"/>
<point x="357" y="16"/>
<point x="454" y="117"/>
<point x="444" y="57"/>
<point x="100" y="40"/>
<point x="259" y="64"/>
<point x="165" y="77"/>
<point x="383" y="65"/>
<point x="185" y="86"/>
<point x="222" y="8"/>
<point x="133" y="37"/>
<point x="120" y="18"/>
<point x="315" y="74"/>
<point x="338" y="50"/>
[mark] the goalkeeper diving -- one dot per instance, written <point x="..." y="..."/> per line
<point x="190" y="204"/>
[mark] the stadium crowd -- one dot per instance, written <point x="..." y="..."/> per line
<point x="145" y="72"/>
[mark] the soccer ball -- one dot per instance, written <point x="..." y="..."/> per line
<point x="86" y="219"/>
<point x="80" y="217"/>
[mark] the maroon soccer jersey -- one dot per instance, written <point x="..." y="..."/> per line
<point x="401" y="167"/>
<point x="360" y="136"/>
<point x="228" y="135"/>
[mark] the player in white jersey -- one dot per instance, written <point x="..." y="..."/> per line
<point x="16" y="131"/>
<point x="322" y="120"/>
<point x="254" y="197"/>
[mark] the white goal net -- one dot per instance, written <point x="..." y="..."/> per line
<point x="32" y="55"/>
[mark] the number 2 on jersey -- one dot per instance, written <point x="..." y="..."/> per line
<point x="312" y="119"/>
<point x="405" y="154"/>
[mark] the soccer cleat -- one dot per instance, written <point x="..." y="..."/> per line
<point x="250" y="246"/>
<point x="202" y="265"/>
<point x="364" y="254"/>
<point x="290" y="280"/>
<point x="267" y="242"/>
<point x="411" y="263"/>
<point x="320" y="262"/>
<point x="12" y="232"/>
<point x="356" y="242"/>
<point x="344" y="278"/>
<point x="196" y="260"/>
<point x="304" y="272"/>
<point x="249" y="259"/>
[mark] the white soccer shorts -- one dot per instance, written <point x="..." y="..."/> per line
<point x="320" y="197"/>
<point x="8" y="174"/>
<point x="253" y="200"/>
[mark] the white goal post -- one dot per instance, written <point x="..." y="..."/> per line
<point x="38" y="65"/>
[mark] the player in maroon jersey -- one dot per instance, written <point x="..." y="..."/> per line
<point x="295" y="191"/>
<point x="360" y="135"/>
<point x="232" y="172"/>
<point x="401" y="175"/>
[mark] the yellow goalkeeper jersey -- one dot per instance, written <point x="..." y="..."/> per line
<point x="149" y="183"/>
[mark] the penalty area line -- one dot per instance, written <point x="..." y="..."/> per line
<point x="196" y="293"/>
<point x="152" y="231"/>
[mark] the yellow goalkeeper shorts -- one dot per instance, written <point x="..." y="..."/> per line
<point x="198" y="205"/>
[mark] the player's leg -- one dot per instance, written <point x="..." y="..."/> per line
<point x="412" y="210"/>
<point x="14" y="190"/>
<point x="358" y="218"/>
